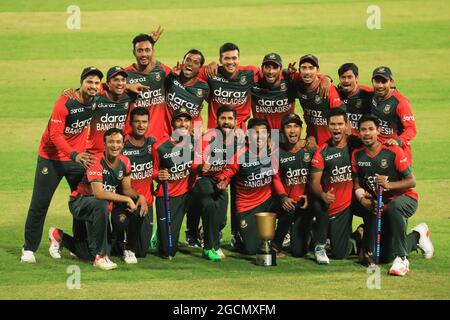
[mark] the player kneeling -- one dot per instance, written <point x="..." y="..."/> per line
<point x="388" y="167"/>
<point x="91" y="203"/>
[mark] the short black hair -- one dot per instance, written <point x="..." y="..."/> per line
<point x="337" y="112"/>
<point x="228" y="47"/>
<point x="195" y="51"/>
<point x="368" y="117"/>
<point x="112" y="131"/>
<point x="139" y="111"/>
<point x="347" y="67"/>
<point x="141" y="38"/>
<point x="226" y="108"/>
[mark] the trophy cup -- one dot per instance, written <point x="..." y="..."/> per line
<point x="265" y="222"/>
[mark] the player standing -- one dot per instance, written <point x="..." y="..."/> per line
<point x="357" y="98"/>
<point x="61" y="154"/>
<point x="315" y="107"/>
<point x="173" y="162"/>
<point x="110" y="108"/>
<point x="397" y="122"/>
<point x="389" y="167"/>
<point x="151" y="73"/>
<point x="272" y="96"/>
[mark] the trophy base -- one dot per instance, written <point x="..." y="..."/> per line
<point x="266" y="259"/>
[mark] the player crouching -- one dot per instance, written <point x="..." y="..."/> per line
<point x="91" y="203"/>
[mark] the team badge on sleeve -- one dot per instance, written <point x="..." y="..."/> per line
<point x="307" y="157"/>
<point x="318" y="99"/>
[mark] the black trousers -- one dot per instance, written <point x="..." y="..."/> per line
<point x="130" y="231"/>
<point x="95" y="215"/>
<point x="178" y="208"/>
<point x="47" y="178"/>
<point x="248" y="229"/>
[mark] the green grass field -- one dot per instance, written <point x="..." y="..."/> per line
<point x="39" y="57"/>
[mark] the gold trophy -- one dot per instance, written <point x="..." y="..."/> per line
<point x="266" y="222"/>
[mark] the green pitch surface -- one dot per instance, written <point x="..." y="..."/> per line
<point x="40" y="56"/>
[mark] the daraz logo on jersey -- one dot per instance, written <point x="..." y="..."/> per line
<point x="223" y="96"/>
<point x="109" y="188"/>
<point x="109" y="121"/>
<point x="150" y="97"/>
<point x="180" y="171"/>
<point x="77" y="126"/>
<point x="296" y="176"/>
<point x="341" y="174"/>
<point x="273" y="106"/>
<point x="256" y="180"/>
<point x="176" y="103"/>
<point x="141" y="171"/>
<point x="315" y="117"/>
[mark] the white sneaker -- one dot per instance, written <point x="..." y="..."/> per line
<point x="55" y="243"/>
<point x="425" y="245"/>
<point x="129" y="257"/>
<point x="27" y="256"/>
<point x="321" y="254"/>
<point x="221" y="254"/>
<point x="400" y="267"/>
<point x="103" y="262"/>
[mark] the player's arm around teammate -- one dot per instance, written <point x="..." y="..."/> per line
<point x="61" y="154"/>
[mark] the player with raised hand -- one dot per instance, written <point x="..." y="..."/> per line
<point x="173" y="163"/>
<point x="150" y="76"/>
<point x="357" y="98"/>
<point x="290" y="183"/>
<point x="138" y="229"/>
<point x="388" y="166"/>
<point x="397" y="122"/>
<point x="62" y="153"/>
<point x="272" y="96"/>
<point x="91" y="203"/>
<point x="332" y="186"/>
<point x="315" y="107"/>
<point x="185" y="89"/>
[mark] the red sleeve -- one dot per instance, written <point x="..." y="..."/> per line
<point x="95" y="172"/>
<point x="354" y="166"/>
<point x="278" y="184"/>
<point x="202" y="74"/>
<point x="103" y="88"/>
<point x="202" y="151"/>
<point x="401" y="160"/>
<point x="156" y="162"/>
<point x="333" y="97"/>
<point x="167" y="69"/>
<point x="405" y="114"/>
<point x="257" y="72"/>
<point x="57" y="124"/>
<point x="317" y="161"/>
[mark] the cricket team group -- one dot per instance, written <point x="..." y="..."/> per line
<point x="138" y="141"/>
